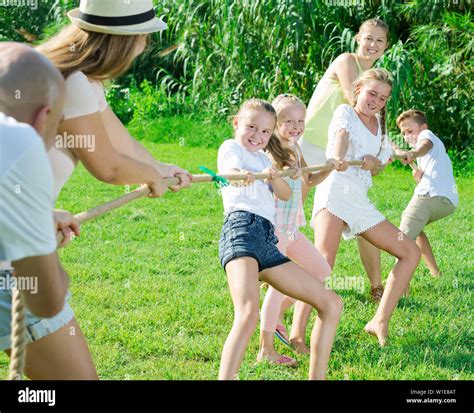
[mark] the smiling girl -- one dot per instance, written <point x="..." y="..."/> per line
<point x="285" y="152"/>
<point x="334" y="89"/>
<point x="247" y="246"/>
<point x="341" y="204"/>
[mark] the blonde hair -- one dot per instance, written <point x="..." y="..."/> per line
<point x="375" y="23"/>
<point x="279" y="102"/>
<point x="283" y="157"/>
<point x="417" y="115"/>
<point x="380" y="75"/>
<point x="99" y="56"/>
<point x="257" y="104"/>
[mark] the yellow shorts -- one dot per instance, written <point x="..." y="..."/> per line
<point x="423" y="210"/>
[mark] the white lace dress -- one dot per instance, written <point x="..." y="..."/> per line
<point x="344" y="194"/>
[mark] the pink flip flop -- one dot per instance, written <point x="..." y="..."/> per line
<point x="285" y="361"/>
<point x="282" y="335"/>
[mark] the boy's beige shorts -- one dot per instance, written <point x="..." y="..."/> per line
<point x="423" y="210"/>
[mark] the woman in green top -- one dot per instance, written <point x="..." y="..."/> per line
<point x="334" y="89"/>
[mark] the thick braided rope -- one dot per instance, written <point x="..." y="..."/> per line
<point x="18" y="337"/>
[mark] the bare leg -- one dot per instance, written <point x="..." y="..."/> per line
<point x="62" y="355"/>
<point x="389" y="238"/>
<point x="295" y="282"/>
<point x="371" y="260"/>
<point x="304" y="253"/>
<point x="242" y="276"/>
<point x="267" y="351"/>
<point x="327" y="235"/>
<point x="298" y="328"/>
<point x="270" y="315"/>
<point x="427" y="254"/>
<point x="285" y="305"/>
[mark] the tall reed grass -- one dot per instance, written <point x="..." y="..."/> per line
<point x="232" y="50"/>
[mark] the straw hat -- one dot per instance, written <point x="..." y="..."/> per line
<point x="125" y="17"/>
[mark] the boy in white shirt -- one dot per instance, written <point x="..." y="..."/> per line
<point x="435" y="195"/>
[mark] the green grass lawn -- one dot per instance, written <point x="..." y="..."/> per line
<point x="153" y="302"/>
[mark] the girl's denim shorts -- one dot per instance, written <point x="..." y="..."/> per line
<point x="245" y="234"/>
<point x="36" y="327"/>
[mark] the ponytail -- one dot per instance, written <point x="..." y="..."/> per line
<point x="281" y="156"/>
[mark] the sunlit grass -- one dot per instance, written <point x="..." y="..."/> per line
<point x="153" y="301"/>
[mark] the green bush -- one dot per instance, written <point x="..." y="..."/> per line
<point x="191" y="131"/>
<point x="229" y="51"/>
<point x="146" y="102"/>
<point x="22" y="21"/>
<point x="232" y="50"/>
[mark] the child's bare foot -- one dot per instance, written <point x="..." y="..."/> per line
<point x="299" y="346"/>
<point x="379" y="330"/>
<point x="436" y="274"/>
<point x="275" y="358"/>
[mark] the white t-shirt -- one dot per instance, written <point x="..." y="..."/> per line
<point x="438" y="178"/>
<point x="83" y="97"/>
<point x="361" y="142"/>
<point x="26" y="193"/>
<point x="256" y="198"/>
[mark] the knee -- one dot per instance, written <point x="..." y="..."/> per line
<point x="412" y="252"/>
<point x="326" y="271"/>
<point x="337" y="305"/>
<point x="248" y="319"/>
<point x="333" y="307"/>
<point x="322" y="272"/>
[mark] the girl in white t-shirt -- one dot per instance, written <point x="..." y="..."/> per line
<point x="247" y="246"/>
<point x="342" y="206"/>
<point x="293" y="243"/>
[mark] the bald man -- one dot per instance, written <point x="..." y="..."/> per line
<point x="31" y="103"/>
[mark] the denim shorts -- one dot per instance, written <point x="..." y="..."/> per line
<point x="36" y="327"/>
<point x="245" y="234"/>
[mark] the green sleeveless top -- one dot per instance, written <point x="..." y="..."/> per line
<point x="327" y="96"/>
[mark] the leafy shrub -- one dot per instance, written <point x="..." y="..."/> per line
<point x="228" y="51"/>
